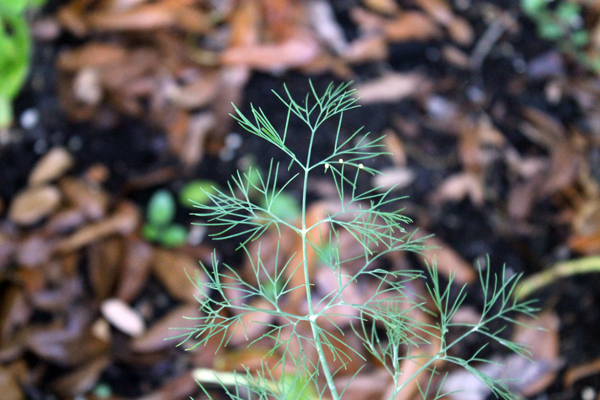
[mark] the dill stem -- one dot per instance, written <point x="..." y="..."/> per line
<point x="313" y="323"/>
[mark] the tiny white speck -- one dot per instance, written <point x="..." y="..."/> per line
<point x="30" y="118"/>
<point x="313" y="317"/>
<point x="341" y="161"/>
<point x="360" y="166"/>
<point x="326" y="166"/>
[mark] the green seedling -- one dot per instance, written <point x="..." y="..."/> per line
<point x="159" y="227"/>
<point x="304" y="334"/>
<point x="15" y="53"/>
<point x="565" y="26"/>
<point x="197" y="191"/>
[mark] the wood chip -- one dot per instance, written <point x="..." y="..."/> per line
<point x="390" y="88"/>
<point x="33" y="204"/>
<point x="123" y="317"/>
<point x="123" y="221"/>
<point x="155" y="337"/>
<point x="51" y="166"/>
<point x="9" y="386"/>
<point x="174" y="270"/>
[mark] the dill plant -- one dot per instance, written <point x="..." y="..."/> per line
<point x="384" y="322"/>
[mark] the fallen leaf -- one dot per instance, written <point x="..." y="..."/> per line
<point x="154" y="338"/>
<point x="51" y="166"/>
<point x="9" y="386"/>
<point x="447" y="261"/>
<point x="82" y="380"/>
<point x="390" y="88"/>
<point x="135" y="271"/>
<point x="33" y="204"/>
<point x="123" y="221"/>
<point x="292" y="53"/>
<point x="411" y="26"/>
<point x="175" y="271"/>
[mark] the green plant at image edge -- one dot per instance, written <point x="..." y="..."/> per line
<point x="15" y="53"/>
<point x="159" y="217"/>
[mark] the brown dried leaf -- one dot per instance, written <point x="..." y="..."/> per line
<point x="174" y="271"/>
<point x="456" y="187"/>
<point x="253" y="324"/>
<point x="51" y="166"/>
<point x="245" y="24"/>
<point x="86" y="196"/>
<point x="104" y="266"/>
<point x="142" y="18"/>
<point x="154" y="337"/>
<point x="136" y="269"/>
<point x="389" y="7"/>
<point x="9" y="386"/>
<point x="180" y="387"/>
<point x="62" y="345"/>
<point x="33" y="204"/>
<point x="448" y="261"/>
<point x="390" y="88"/>
<point x="65" y="221"/>
<point x="366" y="48"/>
<point x="123" y="221"/>
<point x="82" y="380"/>
<point x="409" y="26"/>
<point x="295" y="52"/>
<point x="91" y="55"/>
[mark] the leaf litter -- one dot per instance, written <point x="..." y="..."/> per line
<point x="70" y="243"/>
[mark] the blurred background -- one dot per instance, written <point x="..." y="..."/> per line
<point x="113" y="113"/>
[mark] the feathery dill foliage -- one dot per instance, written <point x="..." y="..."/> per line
<point x="385" y="322"/>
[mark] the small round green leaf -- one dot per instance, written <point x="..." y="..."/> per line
<point x="284" y="206"/>
<point x="151" y="232"/>
<point x="174" y="236"/>
<point x="197" y="192"/>
<point x="161" y="208"/>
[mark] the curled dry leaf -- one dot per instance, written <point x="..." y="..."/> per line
<point x="51" y="166"/>
<point x="448" y="261"/>
<point x="142" y="18"/>
<point x="252" y="324"/>
<point x="390" y="88"/>
<point x="88" y="197"/>
<point x="366" y="48"/>
<point x="458" y="186"/>
<point x="7" y="249"/>
<point x="9" y="386"/>
<point x="136" y="269"/>
<point x="520" y="374"/>
<point x="123" y="317"/>
<point x="82" y="380"/>
<point x="410" y="26"/>
<point x="104" y="265"/>
<point x="65" y="221"/>
<point x="91" y="55"/>
<point x="294" y="52"/>
<point x="389" y="7"/>
<point x="154" y="337"/>
<point x="123" y="221"/>
<point x="174" y="270"/>
<point x="62" y="345"/>
<point x="181" y="387"/>
<point x="33" y="204"/>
